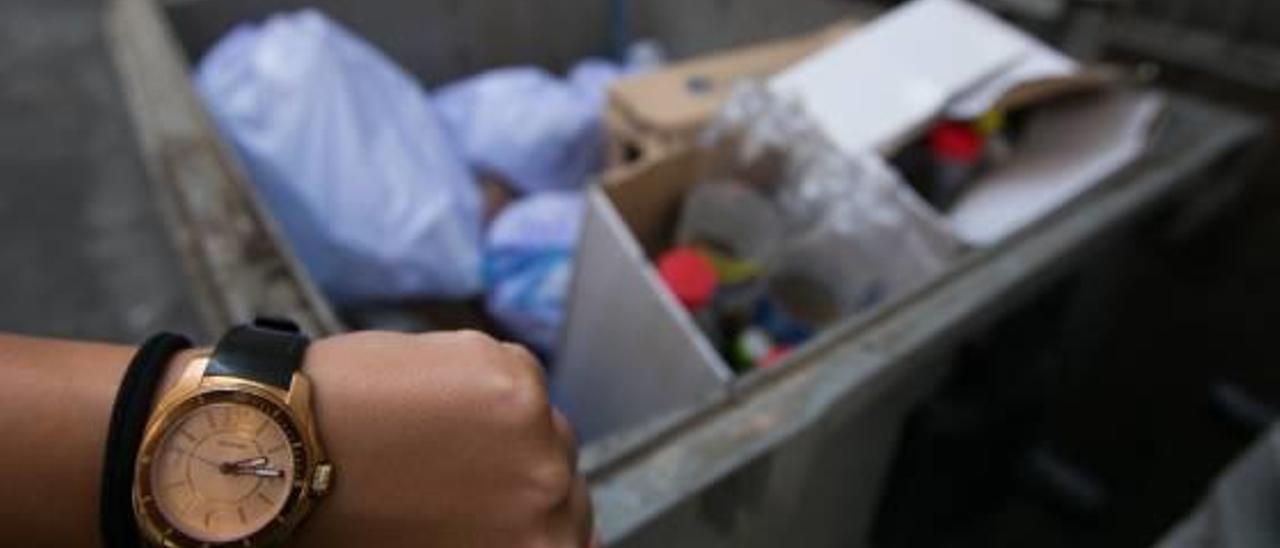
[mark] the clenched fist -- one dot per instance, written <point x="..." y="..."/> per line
<point x="442" y="440"/>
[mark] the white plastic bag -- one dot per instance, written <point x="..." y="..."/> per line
<point x="529" y="264"/>
<point x="537" y="131"/>
<point x="350" y="156"/>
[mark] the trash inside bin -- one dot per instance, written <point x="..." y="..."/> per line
<point x="385" y="190"/>
<point x="529" y="256"/>
<point x="350" y="156"/>
<point x="536" y="131"/>
<point x="821" y="235"/>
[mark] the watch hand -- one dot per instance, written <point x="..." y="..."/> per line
<point x="243" y="466"/>
<point x="250" y="462"/>
<point x="257" y="471"/>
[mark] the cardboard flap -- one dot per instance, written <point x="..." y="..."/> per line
<point x="892" y="76"/>
<point x="649" y="196"/>
<point x="1067" y="150"/>
<point x="681" y="97"/>
<point x="1047" y="90"/>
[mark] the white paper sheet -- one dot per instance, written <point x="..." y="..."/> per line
<point x="1065" y="151"/>
<point x="871" y="89"/>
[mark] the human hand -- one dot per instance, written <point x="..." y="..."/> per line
<point x="443" y="439"/>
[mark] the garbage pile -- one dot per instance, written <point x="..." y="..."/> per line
<point x="834" y="173"/>
<point x="784" y="234"/>
<point x="387" y="191"/>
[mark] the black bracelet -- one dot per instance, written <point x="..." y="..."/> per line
<point x="128" y="420"/>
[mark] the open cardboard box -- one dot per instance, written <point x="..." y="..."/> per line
<point x="666" y="108"/>
<point x="660" y="362"/>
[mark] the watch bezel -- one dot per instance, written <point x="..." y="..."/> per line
<point x="156" y="527"/>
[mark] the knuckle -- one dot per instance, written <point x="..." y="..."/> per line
<point x="529" y="396"/>
<point x="517" y="398"/>
<point x="524" y="362"/>
<point x="551" y="482"/>
<point x="522" y="355"/>
<point x="564" y="428"/>
<point x="473" y="340"/>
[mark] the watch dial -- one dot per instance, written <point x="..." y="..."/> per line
<point x="222" y="472"/>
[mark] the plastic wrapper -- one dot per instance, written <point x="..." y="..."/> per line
<point x="529" y="264"/>
<point x="536" y="131"/>
<point x="732" y="219"/>
<point x="349" y="156"/>
<point x="855" y="233"/>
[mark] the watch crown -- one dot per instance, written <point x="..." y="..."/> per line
<point x="322" y="479"/>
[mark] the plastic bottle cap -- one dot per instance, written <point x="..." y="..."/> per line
<point x="776" y="354"/>
<point x="956" y="141"/>
<point x="752" y="347"/>
<point x="730" y="270"/>
<point x="690" y="275"/>
<point x="990" y="123"/>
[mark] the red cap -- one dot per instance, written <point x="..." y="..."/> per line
<point x="775" y="355"/>
<point x="690" y="275"/>
<point x="956" y="141"/>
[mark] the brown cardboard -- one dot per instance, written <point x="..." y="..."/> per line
<point x="1043" y="91"/>
<point x="1037" y="93"/>
<point x="661" y="109"/>
<point x="628" y="144"/>
<point x="648" y="197"/>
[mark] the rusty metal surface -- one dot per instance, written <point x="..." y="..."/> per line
<point x="233" y="252"/>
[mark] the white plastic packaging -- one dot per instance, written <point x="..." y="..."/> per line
<point x="852" y="225"/>
<point x="529" y="265"/>
<point x="349" y="155"/>
<point x="536" y="131"/>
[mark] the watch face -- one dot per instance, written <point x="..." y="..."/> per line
<point x="223" y="469"/>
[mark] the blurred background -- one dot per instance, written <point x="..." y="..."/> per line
<point x="1169" y="375"/>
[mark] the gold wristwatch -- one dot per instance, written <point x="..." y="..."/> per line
<point x="230" y="455"/>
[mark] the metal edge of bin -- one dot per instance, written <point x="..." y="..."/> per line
<point x="1255" y="65"/>
<point x="232" y="249"/>
<point x="650" y="473"/>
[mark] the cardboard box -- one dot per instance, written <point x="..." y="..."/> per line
<point x="659" y="361"/>
<point x="871" y="90"/>
<point x="665" y="109"/>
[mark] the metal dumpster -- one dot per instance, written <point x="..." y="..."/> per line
<point x="793" y="455"/>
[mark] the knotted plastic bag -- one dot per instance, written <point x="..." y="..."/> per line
<point x="350" y="156"/>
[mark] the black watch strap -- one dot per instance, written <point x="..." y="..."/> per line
<point x="268" y="351"/>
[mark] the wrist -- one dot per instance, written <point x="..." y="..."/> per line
<point x="230" y="423"/>
<point x="173" y="370"/>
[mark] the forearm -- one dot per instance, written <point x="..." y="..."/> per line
<point x="445" y="439"/>
<point x="55" y="402"/>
